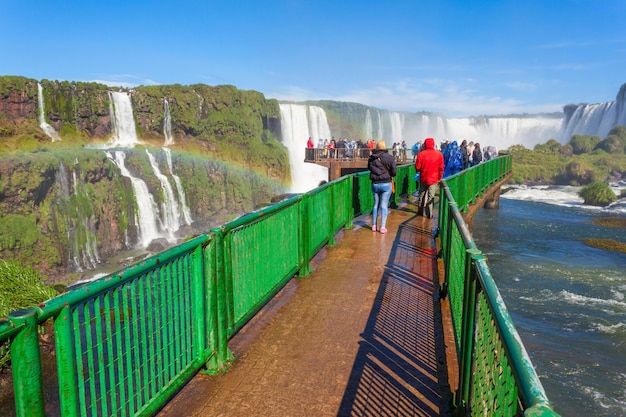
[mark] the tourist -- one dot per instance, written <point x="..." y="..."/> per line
<point x="382" y="167"/>
<point x="429" y="164"/>
<point x="477" y="155"/>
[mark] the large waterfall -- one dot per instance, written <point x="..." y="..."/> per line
<point x="299" y="122"/>
<point x="49" y="130"/>
<point x="124" y="132"/>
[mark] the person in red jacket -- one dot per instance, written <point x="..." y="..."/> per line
<point x="429" y="165"/>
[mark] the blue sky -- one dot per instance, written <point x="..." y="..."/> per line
<point x="457" y="57"/>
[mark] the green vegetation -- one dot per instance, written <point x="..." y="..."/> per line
<point x="20" y="287"/>
<point x="582" y="161"/>
<point x="606" y="244"/>
<point x="619" y="222"/>
<point x="597" y="194"/>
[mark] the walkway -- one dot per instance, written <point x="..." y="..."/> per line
<point x="360" y="336"/>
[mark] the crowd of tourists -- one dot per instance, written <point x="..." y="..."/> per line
<point x="431" y="165"/>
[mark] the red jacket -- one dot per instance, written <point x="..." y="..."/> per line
<point x="429" y="163"/>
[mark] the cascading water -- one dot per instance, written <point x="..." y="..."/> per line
<point x="49" y="130"/>
<point x="123" y="123"/>
<point x="167" y="124"/>
<point x="299" y="122"/>
<point x="170" y="214"/>
<point x="74" y="208"/>
<point x="146" y="216"/>
<point x="182" y="199"/>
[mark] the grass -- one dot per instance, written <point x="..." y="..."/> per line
<point x="19" y="288"/>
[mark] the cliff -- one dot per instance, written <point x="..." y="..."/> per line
<point x="67" y="205"/>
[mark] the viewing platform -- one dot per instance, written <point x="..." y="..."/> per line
<point x="361" y="335"/>
<point x="345" y="161"/>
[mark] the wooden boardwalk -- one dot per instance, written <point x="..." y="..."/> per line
<point x="360" y="336"/>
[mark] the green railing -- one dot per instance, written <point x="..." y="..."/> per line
<point x="127" y="342"/>
<point x="496" y="376"/>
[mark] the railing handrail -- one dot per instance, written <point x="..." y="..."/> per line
<point x="195" y="295"/>
<point x="475" y="269"/>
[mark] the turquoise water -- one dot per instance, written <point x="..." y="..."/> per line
<point x="567" y="299"/>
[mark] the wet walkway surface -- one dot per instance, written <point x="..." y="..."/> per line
<point x="360" y="336"/>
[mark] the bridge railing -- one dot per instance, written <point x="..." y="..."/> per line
<point x="127" y="342"/>
<point x="496" y="376"/>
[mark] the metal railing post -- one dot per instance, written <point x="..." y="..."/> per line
<point x="466" y="356"/>
<point x="26" y="365"/>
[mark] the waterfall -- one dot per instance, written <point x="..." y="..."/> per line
<point x="49" y="130"/>
<point x="369" y="134"/>
<point x="167" y="124"/>
<point x="170" y="214"/>
<point x="182" y="199"/>
<point x="146" y="213"/>
<point x="122" y="120"/>
<point x="396" y="122"/>
<point x="75" y="209"/>
<point x="298" y="123"/>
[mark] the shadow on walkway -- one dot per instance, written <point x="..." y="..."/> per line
<point x="400" y="367"/>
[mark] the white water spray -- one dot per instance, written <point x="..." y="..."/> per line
<point x="49" y="130"/>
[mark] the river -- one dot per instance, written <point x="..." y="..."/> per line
<point x="567" y="299"/>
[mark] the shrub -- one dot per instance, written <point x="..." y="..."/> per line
<point x="597" y="194"/>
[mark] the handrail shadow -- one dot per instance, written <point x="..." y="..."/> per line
<point x="400" y="368"/>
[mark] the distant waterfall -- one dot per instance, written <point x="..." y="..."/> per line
<point x="74" y="208"/>
<point x="182" y="199"/>
<point x="299" y="122"/>
<point x="170" y="214"/>
<point x="49" y="130"/>
<point x="146" y="215"/>
<point x="122" y="120"/>
<point x="590" y="119"/>
<point x="167" y="124"/>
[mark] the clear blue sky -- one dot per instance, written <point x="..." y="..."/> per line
<point x="458" y="57"/>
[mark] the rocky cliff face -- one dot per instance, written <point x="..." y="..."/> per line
<point x="65" y="206"/>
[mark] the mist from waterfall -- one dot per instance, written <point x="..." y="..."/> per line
<point x="167" y="124"/>
<point x="48" y="130"/>
<point x="299" y="122"/>
<point x="122" y="120"/>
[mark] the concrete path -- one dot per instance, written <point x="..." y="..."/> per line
<point x="360" y="336"/>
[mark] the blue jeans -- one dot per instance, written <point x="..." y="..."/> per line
<point x="382" y="192"/>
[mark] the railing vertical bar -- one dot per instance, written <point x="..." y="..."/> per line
<point x="66" y="365"/>
<point x="143" y="380"/>
<point x="110" y="363"/>
<point x="126" y="388"/>
<point x="26" y="363"/>
<point x="133" y="315"/>
<point x="80" y="359"/>
<point x="99" y="376"/>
